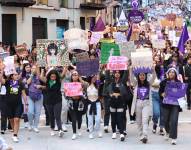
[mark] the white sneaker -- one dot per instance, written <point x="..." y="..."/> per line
<point x="122" y="137"/>
<point x="52" y="133"/>
<point x="173" y="142"/>
<point x="74" y="136"/>
<point x="15" y="139"/>
<point x="30" y="128"/>
<point x="114" y="136"/>
<point x="166" y="137"/>
<point x="100" y="135"/>
<point x="91" y="136"/>
<point x="132" y="122"/>
<point x="61" y="133"/>
<point x="79" y="133"/>
<point x="36" y="130"/>
<point x="26" y="125"/>
<point x="64" y="128"/>
<point x="106" y="129"/>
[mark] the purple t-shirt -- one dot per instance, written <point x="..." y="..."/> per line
<point x="143" y="93"/>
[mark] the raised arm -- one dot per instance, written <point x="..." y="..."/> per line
<point x="132" y="78"/>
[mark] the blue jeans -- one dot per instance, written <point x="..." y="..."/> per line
<point x="34" y="111"/>
<point x="157" y="109"/>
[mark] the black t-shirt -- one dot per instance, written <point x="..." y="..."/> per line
<point x="14" y="93"/>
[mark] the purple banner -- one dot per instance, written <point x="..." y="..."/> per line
<point x="135" y="16"/>
<point x="88" y="68"/>
<point x="174" y="91"/>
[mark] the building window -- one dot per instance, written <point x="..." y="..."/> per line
<point x="64" y="3"/>
<point x="42" y="2"/>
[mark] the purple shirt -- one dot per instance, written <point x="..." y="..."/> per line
<point x="143" y="93"/>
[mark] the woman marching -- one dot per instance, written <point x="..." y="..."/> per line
<point x="142" y="101"/>
<point x="94" y="107"/>
<point x="14" y="92"/>
<point x="170" y="112"/>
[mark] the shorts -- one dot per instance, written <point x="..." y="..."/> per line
<point x="14" y="110"/>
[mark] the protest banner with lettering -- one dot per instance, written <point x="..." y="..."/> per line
<point x="120" y="37"/>
<point x="126" y="48"/>
<point x="174" y="91"/>
<point x="88" y="68"/>
<point x="95" y="37"/>
<point x="117" y="63"/>
<point x="84" y="56"/>
<point x="108" y="49"/>
<point x="142" y="59"/>
<point x="52" y="53"/>
<point x="21" y="51"/>
<point x="73" y="89"/>
<point x="9" y="65"/>
<point x="159" y="44"/>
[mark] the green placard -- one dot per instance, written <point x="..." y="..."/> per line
<point x="109" y="49"/>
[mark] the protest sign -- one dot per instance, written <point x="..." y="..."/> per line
<point x="52" y="53"/>
<point x="108" y="49"/>
<point x="4" y="55"/>
<point x="117" y="63"/>
<point x="73" y="89"/>
<point x="88" y="68"/>
<point x="142" y="59"/>
<point x="122" y="24"/>
<point x="143" y="50"/>
<point x="173" y="92"/>
<point x="9" y="65"/>
<point x="126" y="48"/>
<point x="172" y="35"/>
<point x="159" y="44"/>
<point x="120" y="37"/>
<point x="21" y="51"/>
<point x="95" y="37"/>
<point x="84" y="56"/>
<point x="107" y="40"/>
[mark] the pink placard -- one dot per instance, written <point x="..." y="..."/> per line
<point x="117" y="66"/>
<point x="117" y="59"/>
<point x="73" y="89"/>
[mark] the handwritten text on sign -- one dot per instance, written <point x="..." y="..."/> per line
<point x="117" y="63"/>
<point x="73" y="89"/>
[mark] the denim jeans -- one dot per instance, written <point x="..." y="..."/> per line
<point x="34" y="111"/>
<point x="157" y="109"/>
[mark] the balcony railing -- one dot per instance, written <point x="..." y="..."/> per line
<point x="17" y="3"/>
<point x="92" y="5"/>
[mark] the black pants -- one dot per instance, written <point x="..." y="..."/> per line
<point x="76" y="117"/>
<point x="3" y="113"/>
<point x="170" y="115"/>
<point x="117" y="120"/>
<point x="46" y="111"/>
<point x="55" y="113"/>
<point x="106" y="110"/>
<point x="188" y="94"/>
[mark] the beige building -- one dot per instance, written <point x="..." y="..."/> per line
<point x="28" y="20"/>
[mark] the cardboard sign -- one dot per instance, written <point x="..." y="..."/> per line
<point x="52" y="53"/>
<point x="142" y="59"/>
<point x="174" y="91"/>
<point x="120" y="37"/>
<point x="9" y="65"/>
<point x="84" y="56"/>
<point x="88" y="68"/>
<point x="126" y="48"/>
<point x="117" y="63"/>
<point x="109" y="49"/>
<point x="95" y="38"/>
<point x="21" y="51"/>
<point x="159" y="44"/>
<point x="73" y="89"/>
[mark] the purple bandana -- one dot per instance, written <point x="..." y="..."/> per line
<point x="143" y="93"/>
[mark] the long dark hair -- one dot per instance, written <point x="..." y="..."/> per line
<point x="57" y="76"/>
<point x="144" y="84"/>
<point x="89" y="79"/>
<point x="24" y="71"/>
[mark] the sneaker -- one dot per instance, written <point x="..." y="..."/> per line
<point x="125" y="133"/>
<point x="29" y="128"/>
<point x="161" y="132"/>
<point x="26" y="125"/>
<point x="122" y="137"/>
<point x="166" y="137"/>
<point x="36" y="130"/>
<point x="64" y="128"/>
<point x="15" y="139"/>
<point x="106" y="129"/>
<point x="144" y="140"/>
<point x="132" y="121"/>
<point x="2" y="131"/>
<point x="56" y="129"/>
<point x="114" y="136"/>
<point x="100" y="135"/>
<point x="74" y="136"/>
<point x="173" y="142"/>
<point x="154" y="128"/>
<point x="91" y="136"/>
<point x="79" y="133"/>
<point x="52" y="133"/>
<point x="61" y="133"/>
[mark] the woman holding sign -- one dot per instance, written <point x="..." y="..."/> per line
<point x="142" y="101"/>
<point x="170" y="105"/>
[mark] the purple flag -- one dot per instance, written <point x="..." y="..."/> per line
<point x="100" y="26"/>
<point x="129" y="33"/>
<point x="184" y="37"/>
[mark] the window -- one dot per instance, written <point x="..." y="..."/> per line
<point x="64" y="3"/>
<point x="43" y="2"/>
